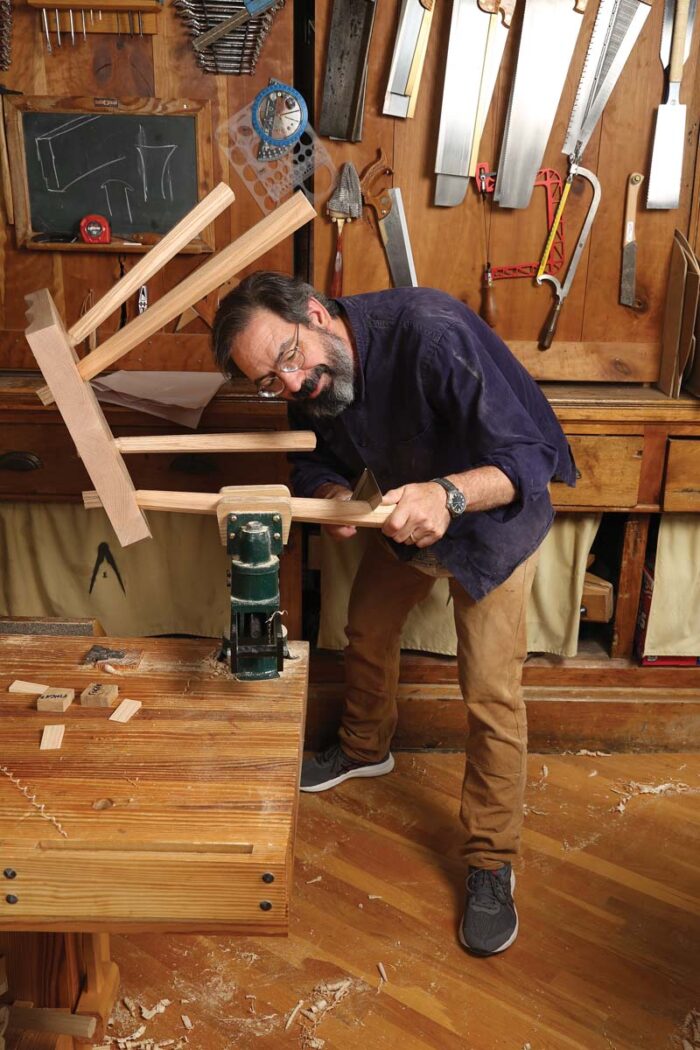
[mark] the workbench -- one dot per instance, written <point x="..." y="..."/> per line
<point x="180" y="820"/>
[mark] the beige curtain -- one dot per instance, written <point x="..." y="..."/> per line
<point x="674" y="617"/>
<point x="62" y="560"/>
<point x="553" y="615"/>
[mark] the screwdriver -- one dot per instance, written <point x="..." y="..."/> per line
<point x="253" y="8"/>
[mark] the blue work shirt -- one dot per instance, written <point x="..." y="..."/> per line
<point x="438" y="392"/>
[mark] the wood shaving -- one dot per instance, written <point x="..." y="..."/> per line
<point x="251" y="1005"/>
<point x="382" y="972"/>
<point x="131" y="1006"/>
<point x="111" y="670"/>
<point x="311" y="881"/>
<point x="374" y="897"/>
<point x="39" y="807"/>
<point x="593" y="754"/>
<point x="633" y="788"/>
<point x="159" y="1008"/>
<point x="187" y="1023"/>
<point x="292" y="1014"/>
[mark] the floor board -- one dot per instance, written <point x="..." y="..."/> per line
<point x="607" y="957"/>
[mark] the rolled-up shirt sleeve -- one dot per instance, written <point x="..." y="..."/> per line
<point x="487" y="418"/>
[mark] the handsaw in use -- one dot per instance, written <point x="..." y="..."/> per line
<point x="617" y="27"/>
<point x="478" y="33"/>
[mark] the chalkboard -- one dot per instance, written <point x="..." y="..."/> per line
<point x="139" y="169"/>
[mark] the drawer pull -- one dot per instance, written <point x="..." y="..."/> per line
<point x="193" y="463"/>
<point x="20" y="461"/>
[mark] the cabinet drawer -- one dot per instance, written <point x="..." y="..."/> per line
<point x="682" y="485"/>
<point x="609" y="469"/>
<point x="41" y="461"/>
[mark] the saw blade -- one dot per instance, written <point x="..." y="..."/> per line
<point x="617" y="26"/>
<point x="547" y="41"/>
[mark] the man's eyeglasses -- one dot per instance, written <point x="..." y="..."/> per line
<point x="290" y="360"/>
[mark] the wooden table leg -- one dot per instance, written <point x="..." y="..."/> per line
<point x="634" y="550"/>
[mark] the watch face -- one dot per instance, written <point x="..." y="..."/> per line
<point x="456" y="503"/>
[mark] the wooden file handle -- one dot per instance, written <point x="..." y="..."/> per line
<point x="180" y="235"/>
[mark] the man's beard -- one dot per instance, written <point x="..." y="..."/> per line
<point x="340" y="391"/>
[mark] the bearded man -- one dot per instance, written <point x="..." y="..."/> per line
<point x="412" y="384"/>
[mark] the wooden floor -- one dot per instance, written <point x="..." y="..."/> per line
<point x="607" y="957"/>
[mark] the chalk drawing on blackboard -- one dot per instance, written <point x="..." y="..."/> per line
<point x="155" y="167"/>
<point x="120" y="196"/>
<point x="57" y="179"/>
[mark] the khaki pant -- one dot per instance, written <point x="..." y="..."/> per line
<point x="491" y="648"/>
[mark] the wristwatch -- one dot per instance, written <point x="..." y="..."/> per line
<point x="456" y="500"/>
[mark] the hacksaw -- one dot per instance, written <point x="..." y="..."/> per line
<point x="617" y="26"/>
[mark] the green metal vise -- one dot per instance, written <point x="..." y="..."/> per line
<point x="256" y="648"/>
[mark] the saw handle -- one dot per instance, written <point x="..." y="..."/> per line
<point x="488" y="309"/>
<point x="680" y="22"/>
<point x="547" y="334"/>
<point x="336" y="289"/>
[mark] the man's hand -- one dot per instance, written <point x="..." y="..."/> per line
<point x="332" y="491"/>
<point x="421" y="516"/>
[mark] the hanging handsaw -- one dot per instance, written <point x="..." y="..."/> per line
<point x="343" y="102"/>
<point x="617" y="26"/>
<point x="547" y="41"/>
<point x="477" y="40"/>
<point x="664" y="186"/>
<point x="387" y="205"/>
<point x="411" y="44"/>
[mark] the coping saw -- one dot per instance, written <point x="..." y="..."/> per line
<point x="617" y="26"/>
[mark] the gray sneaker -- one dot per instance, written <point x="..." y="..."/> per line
<point x="333" y="766"/>
<point x="490" y="921"/>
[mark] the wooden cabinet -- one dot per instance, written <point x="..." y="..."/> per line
<point x="608" y="471"/>
<point x="682" y="483"/>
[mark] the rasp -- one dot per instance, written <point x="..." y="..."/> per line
<point x="628" y="274"/>
<point x="664" y="186"/>
<point x="342" y="105"/>
<point x="547" y="41"/>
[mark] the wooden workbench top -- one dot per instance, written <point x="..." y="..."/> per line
<point x="168" y="821"/>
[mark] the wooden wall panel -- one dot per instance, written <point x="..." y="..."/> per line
<point x="597" y="338"/>
<point x="161" y="66"/>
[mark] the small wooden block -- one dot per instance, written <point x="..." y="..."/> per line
<point x="55" y="700"/>
<point x="31" y="688"/>
<point x="98" y="694"/>
<point x="52" y="738"/>
<point x="126" y="710"/>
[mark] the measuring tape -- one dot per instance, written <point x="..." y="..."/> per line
<point x="94" y="229"/>
<point x="279" y="116"/>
